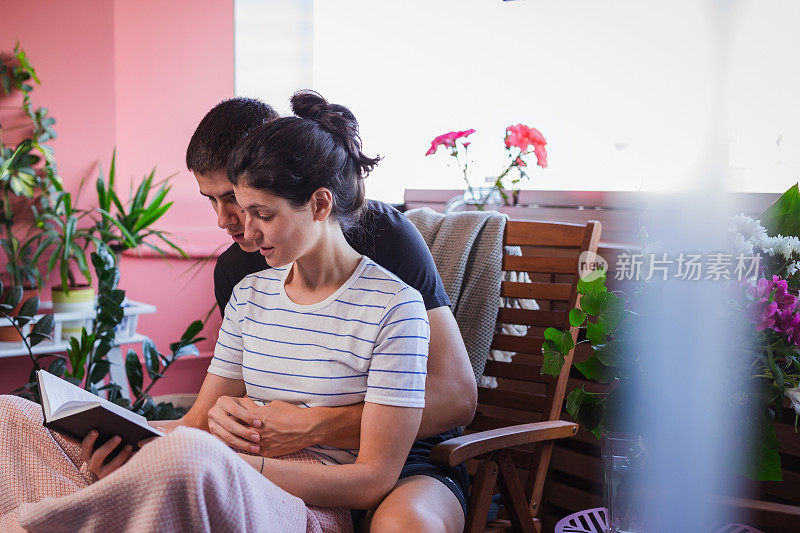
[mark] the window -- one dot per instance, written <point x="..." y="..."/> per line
<point x="630" y="94"/>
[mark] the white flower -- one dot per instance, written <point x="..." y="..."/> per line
<point x="794" y="396"/>
<point x="751" y="229"/>
<point x="743" y="246"/>
<point x="791" y="269"/>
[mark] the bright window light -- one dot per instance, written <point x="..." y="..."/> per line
<point x="624" y="91"/>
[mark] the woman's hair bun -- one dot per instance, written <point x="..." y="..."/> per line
<point x="337" y="120"/>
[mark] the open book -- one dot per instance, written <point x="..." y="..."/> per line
<point x="74" y="412"/>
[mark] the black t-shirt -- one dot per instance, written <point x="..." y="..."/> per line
<point x="384" y="235"/>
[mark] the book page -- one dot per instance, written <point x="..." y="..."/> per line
<point x="64" y="399"/>
<point x="61" y="393"/>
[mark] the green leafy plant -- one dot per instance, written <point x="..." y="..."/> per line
<point x="21" y="175"/>
<point x="21" y="265"/>
<point x="41" y="330"/>
<point x="87" y="354"/>
<point x="65" y="240"/>
<point x="122" y="227"/>
<point x="600" y="320"/>
<point x="155" y="365"/>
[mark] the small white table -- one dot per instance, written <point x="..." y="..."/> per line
<point x="126" y="334"/>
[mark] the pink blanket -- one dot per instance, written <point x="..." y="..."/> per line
<point x="185" y="481"/>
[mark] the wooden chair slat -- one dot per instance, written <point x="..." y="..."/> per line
<point x="529" y="317"/>
<point x="548" y="265"/>
<point x="539" y="291"/>
<point x="512" y="399"/>
<point x="544" y="234"/>
<point x="481" y="422"/>
<point x="517" y="343"/>
<point x="500" y="369"/>
<point x="523" y="394"/>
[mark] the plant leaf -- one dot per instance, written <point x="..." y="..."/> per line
<point x="99" y="371"/>
<point x="593" y="369"/>
<point x="595" y="334"/>
<point x="553" y="358"/>
<point x="783" y="216"/>
<point x="577" y="317"/>
<point x="133" y="369"/>
<point x="41" y="330"/>
<point x="150" y="358"/>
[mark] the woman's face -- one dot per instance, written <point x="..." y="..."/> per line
<point x="281" y="232"/>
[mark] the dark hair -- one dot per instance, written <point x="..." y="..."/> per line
<point x="292" y="157"/>
<point x="219" y="131"/>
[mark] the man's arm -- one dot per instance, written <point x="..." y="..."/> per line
<point x="450" y="399"/>
<point x="386" y="439"/>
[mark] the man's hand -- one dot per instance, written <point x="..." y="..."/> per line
<point x="274" y="429"/>
<point x="234" y="421"/>
<point x="285" y="428"/>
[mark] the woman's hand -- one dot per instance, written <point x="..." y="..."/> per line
<point x="234" y="421"/>
<point x="96" y="458"/>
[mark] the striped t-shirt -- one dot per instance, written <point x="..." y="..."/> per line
<point x="368" y="341"/>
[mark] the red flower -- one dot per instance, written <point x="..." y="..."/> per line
<point x="541" y="155"/>
<point x="448" y="140"/>
<point x="522" y="137"/>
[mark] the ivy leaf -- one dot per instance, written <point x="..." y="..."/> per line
<point x="133" y="369"/>
<point x="595" y="334"/>
<point x="609" y="354"/>
<point x="612" y="312"/>
<point x="585" y="407"/>
<point x="593" y="286"/>
<point x="562" y="340"/>
<point x="593" y="369"/>
<point x="577" y="317"/>
<point x="553" y="359"/>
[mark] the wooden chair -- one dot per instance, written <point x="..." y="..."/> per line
<point x="511" y="437"/>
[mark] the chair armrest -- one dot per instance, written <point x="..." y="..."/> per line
<point x="457" y="450"/>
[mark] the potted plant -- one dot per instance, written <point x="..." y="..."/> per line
<point x="22" y="271"/>
<point x="126" y="226"/>
<point x="27" y="170"/>
<point x="66" y="243"/>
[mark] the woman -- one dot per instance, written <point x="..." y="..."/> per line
<point x="324" y="327"/>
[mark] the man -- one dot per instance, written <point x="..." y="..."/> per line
<point x="427" y="497"/>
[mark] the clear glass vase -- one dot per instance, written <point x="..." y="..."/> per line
<point x="475" y="199"/>
<point x="624" y="462"/>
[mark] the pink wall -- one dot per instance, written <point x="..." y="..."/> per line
<point x="138" y="75"/>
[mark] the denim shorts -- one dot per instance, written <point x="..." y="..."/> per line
<point x="419" y="463"/>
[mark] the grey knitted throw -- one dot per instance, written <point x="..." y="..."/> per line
<point x="467" y="248"/>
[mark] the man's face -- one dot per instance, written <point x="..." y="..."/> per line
<point x="216" y="187"/>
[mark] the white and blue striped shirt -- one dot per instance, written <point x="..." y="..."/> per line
<point x="368" y="341"/>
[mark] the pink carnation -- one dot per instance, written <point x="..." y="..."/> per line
<point x="522" y="137"/>
<point x="448" y="140"/>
